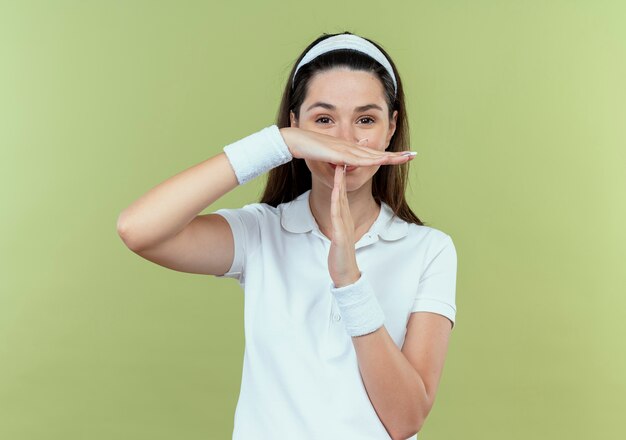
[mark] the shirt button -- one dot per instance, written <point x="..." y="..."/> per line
<point x="336" y="317"/>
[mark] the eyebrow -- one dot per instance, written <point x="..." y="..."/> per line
<point x="362" y="108"/>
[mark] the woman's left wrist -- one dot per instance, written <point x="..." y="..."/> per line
<point x="359" y="307"/>
<point x="347" y="280"/>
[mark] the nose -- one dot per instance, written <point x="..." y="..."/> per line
<point x="348" y="133"/>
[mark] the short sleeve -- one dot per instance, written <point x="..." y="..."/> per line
<point x="245" y="226"/>
<point x="436" y="291"/>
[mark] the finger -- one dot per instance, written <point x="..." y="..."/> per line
<point x="362" y="146"/>
<point x="343" y="201"/>
<point x="345" y="206"/>
<point x="343" y="214"/>
<point x="363" y="150"/>
<point x="348" y="222"/>
<point x="366" y="151"/>
<point x="361" y="155"/>
<point x="335" y="213"/>
<point x="381" y="159"/>
<point x="400" y="158"/>
<point x="343" y="188"/>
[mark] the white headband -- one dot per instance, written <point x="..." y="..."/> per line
<point x="348" y="41"/>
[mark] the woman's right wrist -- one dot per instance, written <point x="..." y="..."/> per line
<point x="287" y="134"/>
<point x="258" y="153"/>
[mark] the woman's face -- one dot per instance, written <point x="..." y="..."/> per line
<point x="332" y="106"/>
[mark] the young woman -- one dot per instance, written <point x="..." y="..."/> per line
<point x="349" y="297"/>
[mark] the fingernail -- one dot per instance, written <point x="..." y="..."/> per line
<point x="409" y="153"/>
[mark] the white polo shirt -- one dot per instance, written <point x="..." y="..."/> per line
<point x="300" y="377"/>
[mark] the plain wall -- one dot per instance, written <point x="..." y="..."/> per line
<point x="517" y="111"/>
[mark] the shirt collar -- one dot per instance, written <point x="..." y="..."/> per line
<point x="297" y="217"/>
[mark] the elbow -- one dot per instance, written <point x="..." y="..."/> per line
<point x="125" y="232"/>
<point x="406" y="434"/>
<point x="417" y="424"/>
<point x="410" y="429"/>
<point x="416" y="428"/>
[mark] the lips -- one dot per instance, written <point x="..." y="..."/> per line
<point x="348" y="168"/>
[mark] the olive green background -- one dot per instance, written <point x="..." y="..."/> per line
<point x="517" y="112"/>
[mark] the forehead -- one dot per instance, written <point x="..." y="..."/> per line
<point x="344" y="86"/>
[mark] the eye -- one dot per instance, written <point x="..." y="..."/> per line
<point x="367" y="118"/>
<point x="321" y="117"/>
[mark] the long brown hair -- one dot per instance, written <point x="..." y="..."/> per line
<point x="289" y="180"/>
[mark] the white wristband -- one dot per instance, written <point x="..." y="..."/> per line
<point x="257" y="153"/>
<point x="359" y="307"/>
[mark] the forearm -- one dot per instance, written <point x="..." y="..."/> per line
<point x="394" y="387"/>
<point x="166" y="209"/>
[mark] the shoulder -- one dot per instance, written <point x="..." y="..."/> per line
<point x="256" y="209"/>
<point x="262" y="209"/>
<point x="429" y="235"/>
<point x="252" y="216"/>
<point x="429" y="243"/>
<point x="264" y="214"/>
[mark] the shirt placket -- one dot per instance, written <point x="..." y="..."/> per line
<point x="337" y="342"/>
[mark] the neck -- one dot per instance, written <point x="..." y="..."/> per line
<point x="363" y="208"/>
